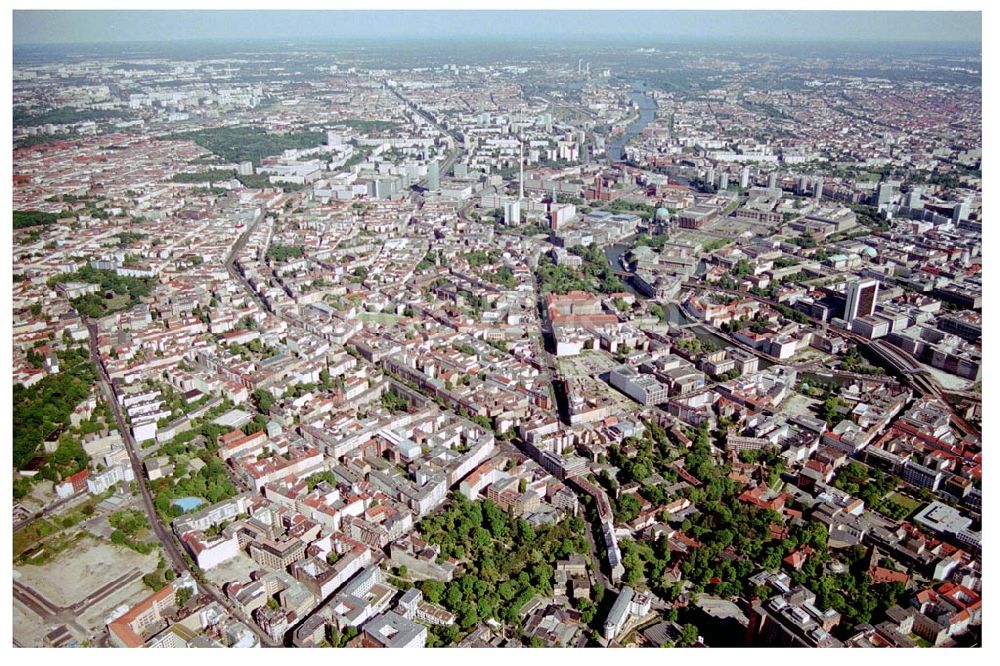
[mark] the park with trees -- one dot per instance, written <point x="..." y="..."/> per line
<point x="506" y="560"/>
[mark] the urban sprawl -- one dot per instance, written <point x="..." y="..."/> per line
<point x="616" y="347"/>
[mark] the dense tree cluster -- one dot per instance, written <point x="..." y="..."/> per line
<point x="282" y="253"/>
<point x="866" y="483"/>
<point x="506" y="560"/>
<point x="43" y="409"/>
<point x="211" y="483"/>
<point x="503" y="276"/>
<point x="207" y="176"/>
<point x="853" y="361"/>
<point x="478" y="258"/>
<point x="370" y="126"/>
<point x="560" y="279"/>
<point x="250" y="143"/>
<point x="130" y="527"/>
<point x="31" y="218"/>
<point x="96" y="305"/>
<point x="394" y="403"/>
<point x="65" y="115"/>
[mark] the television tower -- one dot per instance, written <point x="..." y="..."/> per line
<point x="520" y="160"/>
<point x="520" y="191"/>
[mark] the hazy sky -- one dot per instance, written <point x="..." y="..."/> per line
<point x="37" y="27"/>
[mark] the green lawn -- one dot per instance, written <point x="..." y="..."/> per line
<point x="897" y="506"/>
<point x="380" y="317"/>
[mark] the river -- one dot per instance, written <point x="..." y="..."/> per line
<point x="675" y="315"/>
<point x="647" y="111"/>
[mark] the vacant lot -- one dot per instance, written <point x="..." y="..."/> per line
<point x="800" y="405"/>
<point x="589" y="364"/>
<point x="84" y="583"/>
<point x="236" y="569"/>
<point x="55" y="530"/>
<point x="83" y="568"/>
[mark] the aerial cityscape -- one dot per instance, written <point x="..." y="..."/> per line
<point x="495" y="342"/>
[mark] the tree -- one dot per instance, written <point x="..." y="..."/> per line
<point x="433" y="590"/>
<point x="628" y="508"/>
<point x="183" y="595"/>
<point x="524" y="530"/>
<point x="830" y="410"/>
<point x="263" y="400"/>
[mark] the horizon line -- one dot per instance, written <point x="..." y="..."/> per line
<point x="639" y="42"/>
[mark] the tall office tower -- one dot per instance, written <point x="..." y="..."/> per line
<point x="433" y="176"/>
<point x="913" y="198"/>
<point x="885" y="191"/>
<point x="803" y="185"/>
<point x="710" y="175"/>
<point x="961" y="211"/>
<point x="461" y="170"/>
<point x="861" y="295"/>
<point x="333" y="138"/>
<point x="724" y="181"/>
<point x="772" y="180"/>
<point x="744" y="177"/>
<point x="818" y="189"/>
<point x="512" y="213"/>
<point x="579" y="66"/>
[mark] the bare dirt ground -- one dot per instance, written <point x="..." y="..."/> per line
<point x="76" y="572"/>
<point x="28" y="627"/>
<point x="949" y="381"/>
<point x="82" y="582"/>
<point x="129" y="594"/>
<point x="799" y="405"/>
<point x="589" y="364"/>
<point x="41" y="494"/>
<point x="236" y="569"/>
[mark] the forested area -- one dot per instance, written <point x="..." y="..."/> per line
<point x="43" y="409"/>
<point x="507" y="561"/>
<point x="247" y="143"/>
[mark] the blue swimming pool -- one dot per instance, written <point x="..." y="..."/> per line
<point x="188" y="503"/>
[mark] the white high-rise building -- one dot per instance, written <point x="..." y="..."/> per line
<point x="885" y="191"/>
<point x="803" y="185"/>
<point x="433" y="176"/>
<point x="961" y="211"/>
<point x="512" y="212"/>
